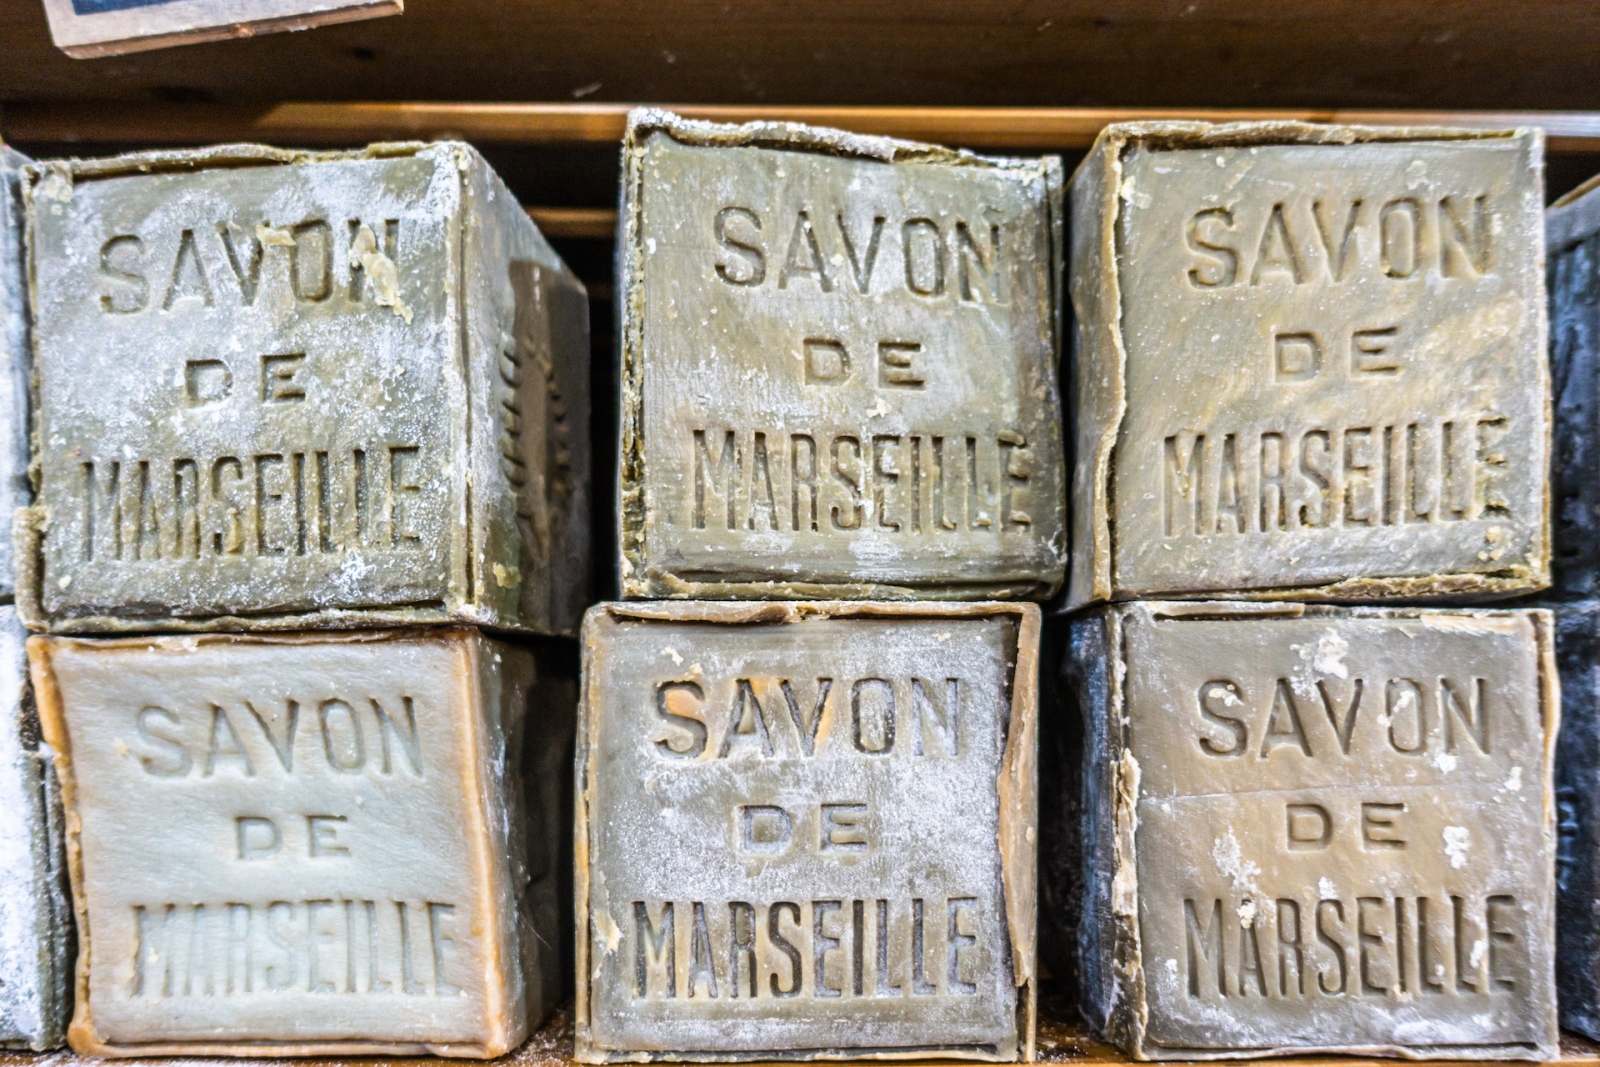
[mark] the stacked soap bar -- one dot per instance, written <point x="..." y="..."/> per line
<point x="1573" y="236"/>
<point x="806" y="830"/>
<point x="1319" y="829"/>
<point x="35" y="915"/>
<point x="298" y="396"/>
<point x="1309" y="362"/>
<point x="287" y="817"/>
<point x="368" y="403"/>
<point x="1310" y="365"/>
<point x="838" y="366"/>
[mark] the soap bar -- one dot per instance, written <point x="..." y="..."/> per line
<point x="35" y="912"/>
<point x="303" y="844"/>
<point x="13" y="359"/>
<point x="85" y="29"/>
<point x="806" y="831"/>
<point x="1309" y="362"/>
<point x="1572" y="234"/>
<point x="1314" y="829"/>
<point x="1578" y="817"/>
<point x="838" y="366"/>
<point x="281" y="389"/>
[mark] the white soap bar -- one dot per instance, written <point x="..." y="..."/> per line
<point x="319" y="844"/>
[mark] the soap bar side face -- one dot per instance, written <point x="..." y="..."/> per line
<point x="793" y="838"/>
<point x="1335" y="368"/>
<point x="14" y="359"/>
<point x="238" y="414"/>
<point x="845" y="374"/>
<point x="1573" y="230"/>
<point x="35" y="915"/>
<point x="291" y="845"/>
<point x="528" y="343"/>
<point x="1578" y="817"/>
<point x="1344" y="831"/>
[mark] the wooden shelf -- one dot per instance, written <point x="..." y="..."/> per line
<point x="344" y="124"/>
<point x="1059" y="1041"/>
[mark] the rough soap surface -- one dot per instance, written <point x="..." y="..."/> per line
<point x="278" y="389"/>
<point x="35" y="913"/>
<point x="1309" y="362"/>
<point x="1572" y="229"/>
<point x="806" y="831"/>
<point x="1578" y="817"/>
<point x="839" y="366"/>
<point x="1321" y="829"/>
<point x="13" y="359"/>
<point x="302" y="845"/>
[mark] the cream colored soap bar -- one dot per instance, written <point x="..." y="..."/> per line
<point x="839" y="366"/>
<point x="311" y="844"/>
<point x="1309" y="362"/>
<point x="806" y="831"/>
<point x="280" y="389"/>
<point x="1319" y="830"/>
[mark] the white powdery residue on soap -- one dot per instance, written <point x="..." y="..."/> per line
<point x="677" y="657"/>
<point x="610" y="933"/>
<point x="1231" y="863"/>
<point x="385" y="276"/>
<point x="1325" y="889"/>
<point x="1247" y="913"/>
<point x="1457" y="840"/>
<point x="1172" y="970"/>
<point x="1330" y="653"/>
<point x="1480" y="949"/>
<point x="1445" y="762"/>
<point x="1514" y="782"/>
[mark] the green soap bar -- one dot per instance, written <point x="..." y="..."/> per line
<point x="281" y="389"/>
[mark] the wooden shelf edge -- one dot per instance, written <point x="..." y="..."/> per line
<point x="344" y="124"/>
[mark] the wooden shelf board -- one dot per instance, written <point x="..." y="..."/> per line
<point x="577" y="123"/>
<point x="1059" y="1041"/>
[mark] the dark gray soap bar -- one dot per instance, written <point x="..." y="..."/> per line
<point x="806" y="831"/>
<point x="1578" y="818"/>
<point x="1314" y="829"/>
<point x="1309" y="363"/>
<point x="35" y="912"/>
<point x="280" y="389"/>
<point x="1572" y="238"/>
<point x="838" y="367"/>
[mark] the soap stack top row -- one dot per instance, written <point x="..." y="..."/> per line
<point x="1308" y="362"/>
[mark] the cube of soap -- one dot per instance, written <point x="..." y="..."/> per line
<point x="1309" y="362"/>
<point x="304" y="844"/>
<point x="1572" y="235"/>
<point x="838" y="366"/>
<point x="13" y="359"/>
<point x="283" y="389"/>
<point x="1314" y="829"/>
<point x="1578" y="818"/>
<point x="35" y="912"/>
<point x="806" y="831"/>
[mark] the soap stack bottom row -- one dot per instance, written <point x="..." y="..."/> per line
<point x="347" y="434"/>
